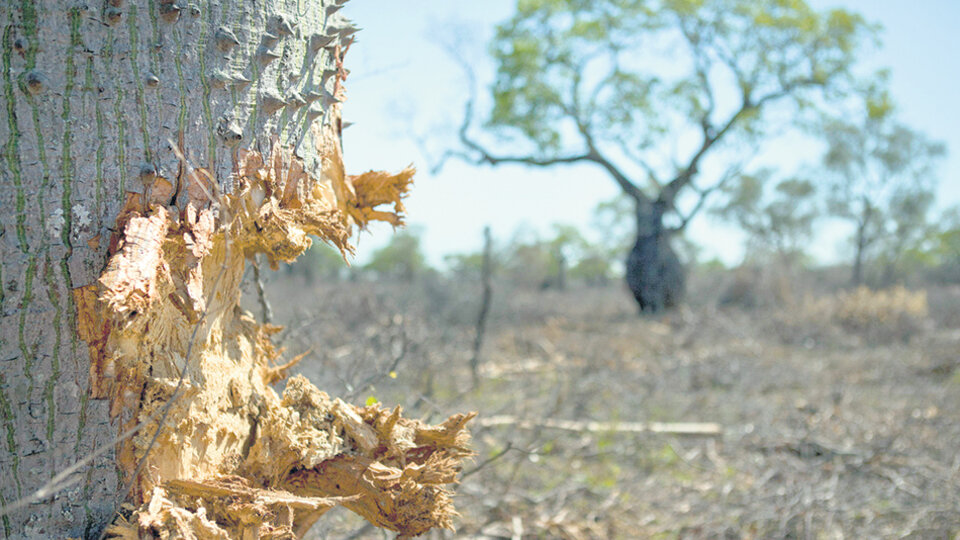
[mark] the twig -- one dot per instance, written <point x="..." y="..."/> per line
<point x="265" y="309"/>
<point x="486" y="271"/>
<point x="380" y="375"/>
<point x="488" y="461"/>
<point x="673" y="428"/>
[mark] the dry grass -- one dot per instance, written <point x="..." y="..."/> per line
<point x="861" y="316"/>
<point x="823" y="437"/>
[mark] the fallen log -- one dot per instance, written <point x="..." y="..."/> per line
<point x="704" y="429"/>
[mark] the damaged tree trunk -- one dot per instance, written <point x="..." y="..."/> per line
<point x="149" y="151"/>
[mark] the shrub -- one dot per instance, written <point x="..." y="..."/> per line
<point x="873" y="316"/>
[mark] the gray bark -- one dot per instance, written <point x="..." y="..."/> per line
<point x="654" y="273"/>
<point x="92" y="91"/>
<point x="862" y="241"/>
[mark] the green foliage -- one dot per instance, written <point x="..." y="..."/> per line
<point x="594" y="267"/>
<point x="575" y="66"/>
<point x="939" y="253"/>
<point x="777" y="217"/>
<point x="527" y="259"/>
<point x="535" y="261"/>
<point x="614" y="221"/>
<point x="402" y="258"/>
<point x="320" y="262"/>
<point x="880" y="177"/>
<point x="712" y="265"/>
<point x="465" y="265"/>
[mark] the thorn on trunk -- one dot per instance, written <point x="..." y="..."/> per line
<point x="240" y="81"/>
<point x="296" y="100"/>
<point x="319" y="41"/>
<point x="112" y="15"/>
<point x="272" y="102"/>
<point x="36" y="82"/>
<point x="226" y="39"/>
<point x="230" y="133"/>
<point x="265" y="56"/>
<point x="170" y="12"/>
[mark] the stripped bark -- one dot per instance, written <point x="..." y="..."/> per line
<point x="150" y="151"/>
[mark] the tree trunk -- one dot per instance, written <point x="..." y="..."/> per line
<point x="654" y="272"/>
<point x="862" y="241"/>
<point x="561" y="269"/>
<point x="177" y="140"/>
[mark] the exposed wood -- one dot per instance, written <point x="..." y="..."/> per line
<point x="151" y="149"/>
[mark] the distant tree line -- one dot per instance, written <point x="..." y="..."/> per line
<point x="915" y="245"/>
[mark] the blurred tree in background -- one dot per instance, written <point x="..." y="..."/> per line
<point x="527" y="259"/>
<point x="778" y="223"/>
<point x="402" y="258"/>
<point x="622" y="84"/>
<point x="465" y="265"/>
<point x="940" y="253"/>
<point x="880" y="176"/>
<point x="320" y="263"/>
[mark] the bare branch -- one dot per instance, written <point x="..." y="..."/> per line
<point x="482" y="155"/>
<point x="674" y="428"/>
<point x="701" y="70"/>
<point x="730" y="173"/>
<point x="265" y="309"/>
<point x="384" y="373"/>
<point x="486" y="271"/>
<point x="652" y="175"/>
<point x="669" y="193"/>
<point x="489" y="460"/>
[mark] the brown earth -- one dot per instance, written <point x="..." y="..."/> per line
<point x="824" y="434"/>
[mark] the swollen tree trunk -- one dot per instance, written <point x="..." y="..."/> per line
<point x="148" y="150"/>
<point x="654" y="272"/>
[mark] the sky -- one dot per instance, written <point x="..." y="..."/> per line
<point x="405" y="96"/>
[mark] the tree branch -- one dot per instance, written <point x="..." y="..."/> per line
<point x="704" y="194"/>
<point x="701" y="69"/>
<point x="594" y="155"/>
<point x="669" y="193"/>
<point x="483" y="155"/>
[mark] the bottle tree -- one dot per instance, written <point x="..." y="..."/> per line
<point x="667" y="98"/>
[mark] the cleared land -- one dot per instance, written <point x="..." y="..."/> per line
<point x="825" y="433"/>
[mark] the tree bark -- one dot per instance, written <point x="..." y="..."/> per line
<point x="654" y="272"/>
<point x="176" y="140"/>
<point x="862" y="241"/>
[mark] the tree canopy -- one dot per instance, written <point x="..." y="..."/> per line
<point x="402" y="257"/>
<point x="880" y="176"/>
<point x="619" y="83"/>
<point x="778" y="220"/>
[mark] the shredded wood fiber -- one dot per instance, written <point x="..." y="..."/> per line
<point x="235" y="459"/>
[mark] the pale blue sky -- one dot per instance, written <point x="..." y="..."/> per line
<point x="402" y="83"/>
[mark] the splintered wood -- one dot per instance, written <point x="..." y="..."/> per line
<point x="233" y="458"/>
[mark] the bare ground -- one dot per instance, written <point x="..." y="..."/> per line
<point x="822" y="437"/>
